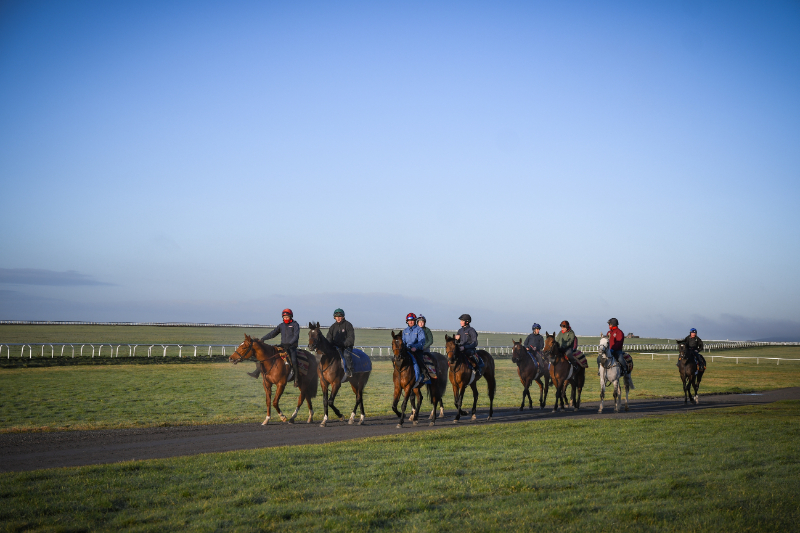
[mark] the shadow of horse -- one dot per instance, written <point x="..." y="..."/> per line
<point x="275" y="372"/>
<point x="563" y="373"/>
<point x="331" y="373"/>
<point x="690" y="374"/>
<point x="404" y="379"/>
<point x="530" y="370"/>
<point x="461" y="377"/>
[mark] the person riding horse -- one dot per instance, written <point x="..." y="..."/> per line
<point x="534" y="342"/>
<point x="289" y="330"/>
<point x="421" y="321"/>
<point x="414" y="339"/>
<point x="342" y="335"/>
<point x="694" y="345"/>
<point x="467" y="339"/>
<point x="616" y="338"/>
<point x="568" y="342"/>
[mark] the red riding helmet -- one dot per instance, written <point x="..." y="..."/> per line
<point x="411" y="316"/>
<point x="287" y="315"/>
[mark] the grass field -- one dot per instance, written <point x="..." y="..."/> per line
<point x="716" y="470"/>
<point x="80" y="397"/>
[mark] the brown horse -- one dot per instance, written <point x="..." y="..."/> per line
<point x="461" y="377"/>
<point x="331" y="373"/>
<point x="563" y="373"/>
<point x="274" y="372"/>
<point x="530" y="370"/>
<point x="690" y="374"/>
<point x="404" y="379"/>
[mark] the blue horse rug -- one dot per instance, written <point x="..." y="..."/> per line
<point x="361" y="361"/>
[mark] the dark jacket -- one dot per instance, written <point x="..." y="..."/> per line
<point x="428" y="339"/>
<point x="469" y="338"/>
<point x="290" y="333"/>
<point x="693" y="343"/>
<point x="615" y="339"/>
<point x="342" y="335"/>
<point x="534" y="342"/>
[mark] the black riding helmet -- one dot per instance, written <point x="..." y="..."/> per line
<point x="465" y="317"/>
<point x="613" y="322"/>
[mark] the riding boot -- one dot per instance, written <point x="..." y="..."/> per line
<point x="296" y="370"/>
<point x="348" y="357"/>
<point x="256" y="372"/>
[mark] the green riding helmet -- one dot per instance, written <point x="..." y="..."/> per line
<point x="338" y="312"/>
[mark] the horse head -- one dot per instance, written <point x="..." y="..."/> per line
<point x="517" y="351"/>
<point x="451" y="348"/>
<point x="603" y="348"/>
<point x="681" y="349"/>
<point x="314" y="336"/>
<point x="398" y="349"/>
<point x="551" y="347"/>
<point x="243" y="351"/>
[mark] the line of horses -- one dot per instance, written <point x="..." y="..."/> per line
<point x="547" y="368"/>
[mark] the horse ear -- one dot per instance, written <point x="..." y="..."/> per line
<point x="246" y="337"/>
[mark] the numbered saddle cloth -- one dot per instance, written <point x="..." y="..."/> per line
<point x="581" y="359"/>
<point x="628" y="361"/>
<point x="430" y="364"/>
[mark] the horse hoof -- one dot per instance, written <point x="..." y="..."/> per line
<point x="431" y="423"/>
<point x="415" y="423"/>
<point x="350" y="422"/>
<point x="284" y="419"/>
<point x="455" y="421"/>
<point x="361" y="422"/>
<point x="399" y="426"/>
<point x="599" y="411"/>
<point x="322" y="424"/>
<point x="291" y="420"/>
<point x="489" y="418"/>
<point x="474" y="417"/>
<point x="626" y="408"/>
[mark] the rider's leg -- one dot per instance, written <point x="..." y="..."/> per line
<point x="293" y="356"/>
<point x="418" y="356"/>
<point x="348" y="357"/>
<point x="256" y="372"/>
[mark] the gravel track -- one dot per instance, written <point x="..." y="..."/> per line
<point x="38" y="450"/>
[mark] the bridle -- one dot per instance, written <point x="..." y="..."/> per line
<point x="245" y="355"/>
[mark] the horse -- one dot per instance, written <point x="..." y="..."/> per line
<point x="610" y="371"/>
<point x="275" y="372"/>
<point x="530" y="370"/>
<point x="563" y="373"/>
<point x="404" y="379"/>
<point x="690" y="374"/>
<point x="331" y="373"/>
<point x="461" y="376"/>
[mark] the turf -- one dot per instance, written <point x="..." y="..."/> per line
<point x="95" y="397"/>
<point x="712" y="470"/>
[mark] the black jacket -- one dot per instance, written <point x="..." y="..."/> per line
<point x="534" y="342"/>
<point x="342" y="335"/>
<point x="468" y="338"/>
<point x="693" y="344"/>
<point x="290" y="333"/>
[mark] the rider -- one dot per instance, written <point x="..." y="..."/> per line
<point x="694" y="345"/>
<point x="421" y="321"/>
<point x="535" y="342"/>
<point x="615" y="340"/>
<point x="290" y="334"/>
<point x="414" y="339"/>
<point x="467" y="339"/>
<point x="568" y="342"/>
<point x="342" y="335"/>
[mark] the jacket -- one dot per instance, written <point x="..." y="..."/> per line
<point x="428" y="339"/>
<point x="693" y="344"/>
<point x="342" y="335"/>
<point x="468" y="339"/>
<point x="290" y="333"/>
<point x="567" y="340"/>
<point x="534" y="342"/>
<point x="615" y="338"/>
<point x="414" y="337"/>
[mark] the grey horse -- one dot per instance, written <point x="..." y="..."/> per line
<point x="611" y="372"/>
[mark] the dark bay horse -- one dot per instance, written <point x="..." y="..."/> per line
<point x="461" y="376"/>
<point x="274" y="372"/>
<point x="563" y="373"/>
<point x="690" y="375"/>
<point x="331" y="373"/>
<point x="530" y="371"/>
<point x="404" y="379"/>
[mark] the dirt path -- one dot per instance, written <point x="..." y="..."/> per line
<point x="33" y="451"/>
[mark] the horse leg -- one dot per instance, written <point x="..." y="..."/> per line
<point x="396" y="399"/>
<point x="543" y="399"/>
<point x="324" y="404"/>
<point x="626" y="395"/>
<point x="617" y="396"/>
<point x="300" y="398"/>
<point x="474" y="387"/>
<point x="406" y="394"/>
<point x="524" y="390"/>
<point x="268" y="390"/>
<point x="413" y="405"/>
<point x="310" y="410"/>
<point x="459" y="401"/>
<point x="602" y="390"/>
<point x="334" y="390"/>
<point x="416" y="393"/>
<point x="275" y="402"/>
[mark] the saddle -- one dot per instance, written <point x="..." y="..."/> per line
<point x="430" y="365"/>
<point x="302" y="360"/>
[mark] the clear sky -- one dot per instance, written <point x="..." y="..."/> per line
<point x="519" y="161"/>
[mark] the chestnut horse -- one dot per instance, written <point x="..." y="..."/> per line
<point x="404" y="379"/>
<point x="690" y="374"/>
<point x="331" y="373"/>
<point x="461" y="376"/>
<point x="530" y="370"/>
<point x="563" y="373"/>
<point x="274" y="372"/>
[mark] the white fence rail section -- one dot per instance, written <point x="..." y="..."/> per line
<point x="209" y="350"/>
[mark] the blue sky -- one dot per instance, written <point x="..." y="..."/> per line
<point x="520" y="161"/>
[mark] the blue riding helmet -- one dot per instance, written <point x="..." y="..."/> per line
<point x="536" y="326"/>
<point x="693" y="330"/>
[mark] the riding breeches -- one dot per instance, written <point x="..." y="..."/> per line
<point x="348" y="357"/>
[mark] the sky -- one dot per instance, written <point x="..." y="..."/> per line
<point x="518" y="161"/>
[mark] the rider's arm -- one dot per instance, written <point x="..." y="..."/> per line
<point x="350" y="340"/>
<point x="295" y="338"/>
<point x="272" y="334"/>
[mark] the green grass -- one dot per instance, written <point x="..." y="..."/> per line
<point x="712" y="470"/>
<point x="91" y="397"/>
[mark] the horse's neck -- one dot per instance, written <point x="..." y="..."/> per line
<point x="264" y="352"/>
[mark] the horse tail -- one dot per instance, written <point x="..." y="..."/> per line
<point x="431" y="388"/>
<point x="629" y="381"/>
<point x="312" y="378"/>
